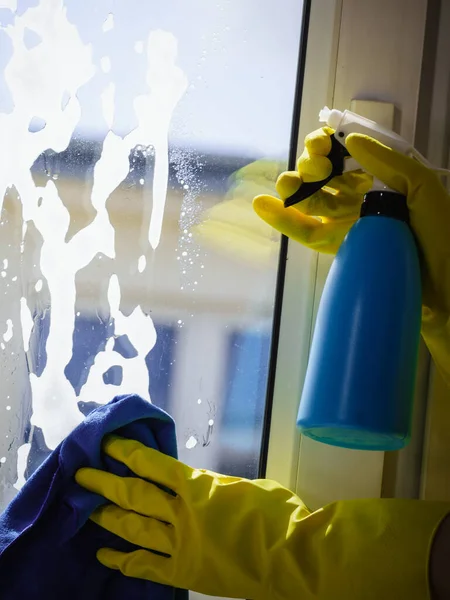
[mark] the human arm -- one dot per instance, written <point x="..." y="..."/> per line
<point x="234" y="537"/>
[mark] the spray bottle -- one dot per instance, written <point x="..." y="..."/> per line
<point x="359" y="386"/>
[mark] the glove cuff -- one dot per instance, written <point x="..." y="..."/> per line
<point x="381" y="548"/>
<point x="361" y="549"/>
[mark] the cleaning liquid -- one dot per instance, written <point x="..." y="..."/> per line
<point x="359" y="386"/>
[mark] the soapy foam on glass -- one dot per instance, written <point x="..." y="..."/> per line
<point x="191" y="442"/>
<point x="9" y="330"/>
<point x="41" y="85"/>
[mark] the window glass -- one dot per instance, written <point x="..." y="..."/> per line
<point x="133" y="137"/>
<point x="243" y="410"/>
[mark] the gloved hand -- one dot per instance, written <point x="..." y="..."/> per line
<point x="338" y="207"/>
<point x="233" y="537"/>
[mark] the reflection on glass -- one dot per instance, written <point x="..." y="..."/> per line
<point x="131" y="260"/>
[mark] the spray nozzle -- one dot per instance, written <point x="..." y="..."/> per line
<point x="331" y="117"/>
<point x="344" y="123"/>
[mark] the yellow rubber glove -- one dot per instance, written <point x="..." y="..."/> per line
<point x="338" y="207"/>
<point x="233" y="537"/>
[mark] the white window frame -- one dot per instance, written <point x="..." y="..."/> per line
<point x="356" y="49"/>
<point x="434" y="483"/>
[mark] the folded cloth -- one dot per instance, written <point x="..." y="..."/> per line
<point x="47" y="542"/>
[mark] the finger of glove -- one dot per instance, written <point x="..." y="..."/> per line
<point x="313" y="167"/>
<point x="131" y="493"/>
<point x="141" y="564"/>
<point x="307" y="230"/>
<point x="147" y="462"/>
<point x="143" y="531"/>
<point x="397" y="171"/>
<point x="319" y="141"/>
<point x="287" y="184"/>
<point x="288" y="221"/>
<point x="313" y="164"/>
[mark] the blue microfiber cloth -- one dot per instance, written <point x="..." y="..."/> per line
<point x="47" y="543"/>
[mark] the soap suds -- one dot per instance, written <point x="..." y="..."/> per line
<point x="26" y="320"/>
<point x="191" y="443"/>
<point x="141" y="333"/>
<point x="41" y="85"/>
<point x="142" y="262"/>
<point x="22" y="457"/>
<point x="167" y="83"/>
<point x="107" y="100"/>
<point x="7" y="336"/>
<point x="37" y="78"/>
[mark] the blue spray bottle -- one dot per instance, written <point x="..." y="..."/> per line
<point x="359" y="386"/>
